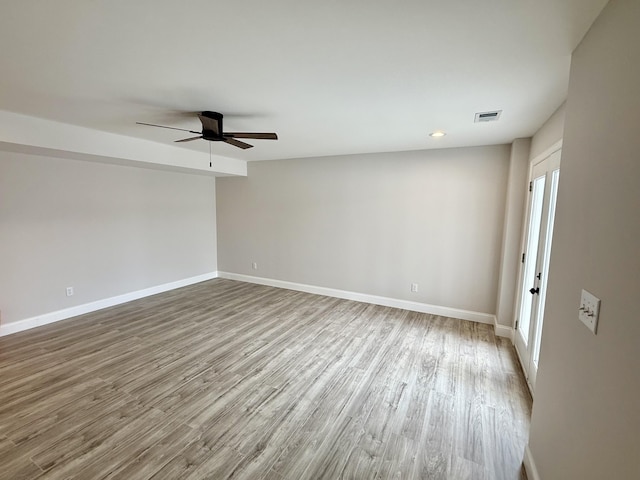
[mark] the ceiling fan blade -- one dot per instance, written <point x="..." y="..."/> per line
<point x="162" y="126"/>
<point x="191" y="139"/>
<point x="259" y="136"/>
<point x="237" y="143"/>
<point x="211" y="124"/>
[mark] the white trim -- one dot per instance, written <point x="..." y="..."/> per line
<point x="366" y="298"/>
<point x="530" y="465"/>
<point x="524" y="370"/>
<point x="56" y="316"/>
<point x="546" y="153"/>
<point x="502" y="330"/>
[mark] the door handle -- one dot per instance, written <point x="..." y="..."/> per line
<point x="533" y="291"/>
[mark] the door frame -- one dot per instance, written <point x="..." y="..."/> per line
<point x="526" y="363"/>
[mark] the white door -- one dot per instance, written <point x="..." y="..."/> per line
<point x="543" y="189"/>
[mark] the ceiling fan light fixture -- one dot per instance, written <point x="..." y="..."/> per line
<point x="437" y="134"/>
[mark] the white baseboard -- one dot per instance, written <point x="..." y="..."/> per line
<point x="503" y="330"/>
<point x="56" y="316"/>
<point x="51" y="317"/>
<point x="530" y="465"/>
<point x="365" y="298"/>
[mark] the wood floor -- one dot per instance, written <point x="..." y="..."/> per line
<point x="232" y="380"/>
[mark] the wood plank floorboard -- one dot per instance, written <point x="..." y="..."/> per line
<point x="230" y="380"/>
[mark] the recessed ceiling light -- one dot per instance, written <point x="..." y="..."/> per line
<point x="437" y="134"/>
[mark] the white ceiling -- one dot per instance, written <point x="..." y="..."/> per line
<point x="329" y="77"/>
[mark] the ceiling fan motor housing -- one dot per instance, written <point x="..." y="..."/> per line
<point x="212" y="135"/>
<point x="213" y="115"/>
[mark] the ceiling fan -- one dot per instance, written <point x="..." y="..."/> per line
<point x="212" y="131"/>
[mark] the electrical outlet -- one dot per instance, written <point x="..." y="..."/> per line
<point x="589" y="310"/>
<point x="254" y="265"/>
<point x="414" y="287"/>
<point x="69" y="291"/>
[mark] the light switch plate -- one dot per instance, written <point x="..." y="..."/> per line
<point x="589" y="310"/>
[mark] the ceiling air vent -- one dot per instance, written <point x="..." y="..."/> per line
<point x="488" y="116"/>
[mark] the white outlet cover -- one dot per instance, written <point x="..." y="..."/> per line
<point x="589" y="310"/>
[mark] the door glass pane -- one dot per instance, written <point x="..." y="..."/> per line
<point x="531" y="255"/>
<point x="545" y="266"/>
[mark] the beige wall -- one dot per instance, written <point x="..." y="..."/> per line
<point x="104" y="229"/>
<point x="512" y="231"/>
<point x="372" y="224"/>
<point x="550" y="133"/>
<point x="586" y="413"/>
